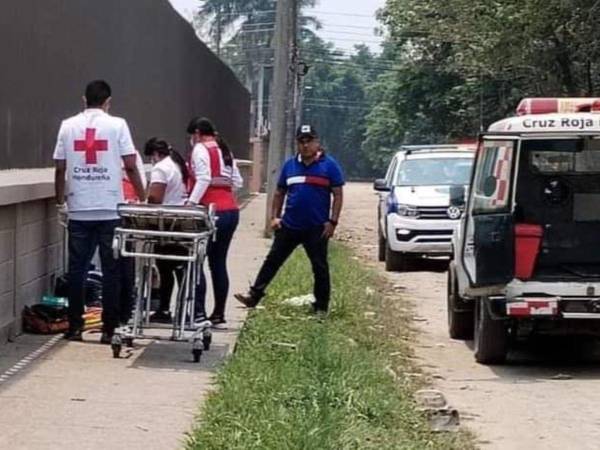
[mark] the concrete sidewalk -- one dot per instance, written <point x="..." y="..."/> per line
<point x="77" y="396"/>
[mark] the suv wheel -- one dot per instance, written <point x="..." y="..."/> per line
<point x="394" y="261"/>
<point x="491" y="336"/>
<point x="460" y="312"/>
<point x="381" y="245"/>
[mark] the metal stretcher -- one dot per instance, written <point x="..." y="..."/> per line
<point x="145" y="231"/>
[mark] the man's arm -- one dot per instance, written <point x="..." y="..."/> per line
<point x="129" y="162"/>
<point x="338" y="203"/>
<point x="336" y="210"/>
<point x="60" y="169"/>
<point x="277" y="204"/>
<point x="277" y="207"/>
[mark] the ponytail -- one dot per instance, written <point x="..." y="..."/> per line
<point x="225" y="151"/>
<point x="162" y="147"/>
<point x="178" y="159"/>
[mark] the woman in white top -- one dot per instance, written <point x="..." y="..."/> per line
<point x="168" y="181"/>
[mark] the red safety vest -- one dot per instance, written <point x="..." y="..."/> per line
<point x="220" y="190"/>
<point x="129" y="191"/>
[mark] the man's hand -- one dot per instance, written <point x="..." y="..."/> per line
<point x="328" y="230"/>
<point x="63" y="213"/>
<point x="275" y="224"/>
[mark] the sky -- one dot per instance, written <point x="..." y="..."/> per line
<point x="345" y="22"/>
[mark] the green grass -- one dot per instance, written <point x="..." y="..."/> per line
<point x="299" y="383"/>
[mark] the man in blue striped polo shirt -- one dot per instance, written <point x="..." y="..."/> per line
<point x="307" y="184"/>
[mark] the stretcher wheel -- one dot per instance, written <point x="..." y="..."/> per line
<point x="197" y="354"/>
<point x="207" y="340"/>
<point x="116" y="247"/>
<point x="116" y="349"/>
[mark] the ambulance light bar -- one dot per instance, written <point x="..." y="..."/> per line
<point x="558" y="105"/>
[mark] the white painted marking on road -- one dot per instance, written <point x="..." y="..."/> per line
<point x="27" y="360"/>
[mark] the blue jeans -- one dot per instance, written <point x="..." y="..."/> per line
<point x="84" y="238"/>
<point x="217" y="262"/>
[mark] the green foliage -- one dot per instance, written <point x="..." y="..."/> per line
<point x="296" y="382"/>
<point x="336" y="101"/>
<point x="462" y="64"/>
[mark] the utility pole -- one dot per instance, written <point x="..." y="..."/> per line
<point x="219" y="32"/>
<point x="293" y="80"/>
<point x="260" y="120"/>
<point x="281" y="97"/>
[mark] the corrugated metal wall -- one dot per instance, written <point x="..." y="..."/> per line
<point x="161" y="74"/>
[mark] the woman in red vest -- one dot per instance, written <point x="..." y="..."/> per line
<point x="215" y="178"/>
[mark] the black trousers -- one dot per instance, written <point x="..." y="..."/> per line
<point x="84" y="237"/>
<point x="285" y="242"/>
<point x="168" y="270"/>
<point x="217" y="252"/>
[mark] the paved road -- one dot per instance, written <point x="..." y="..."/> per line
<point x="546" y="397"/>
<point x="76" y="396"/>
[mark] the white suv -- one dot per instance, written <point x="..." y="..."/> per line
<point x="415" y="213"/>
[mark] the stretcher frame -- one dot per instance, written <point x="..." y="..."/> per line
<point x="144" y="228"/>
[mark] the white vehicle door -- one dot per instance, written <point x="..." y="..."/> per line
<point x="488" y="232"/>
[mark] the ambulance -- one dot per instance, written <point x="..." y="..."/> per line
<point x="527" y="249"/>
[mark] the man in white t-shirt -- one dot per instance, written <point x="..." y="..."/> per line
<point x="90" y="149"/>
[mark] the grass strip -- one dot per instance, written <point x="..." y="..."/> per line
<point x="296" y="382"/>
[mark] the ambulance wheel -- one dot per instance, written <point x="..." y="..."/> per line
<point x="116" y="350"/>
<point x="460" y="313"/>
<point x="491" y="336"/>
<point x="197" y="353"/>
<point x="394" y="261"/>
<point x="381" y="245"/>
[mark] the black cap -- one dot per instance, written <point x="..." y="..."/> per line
<point x="306" y="131"/>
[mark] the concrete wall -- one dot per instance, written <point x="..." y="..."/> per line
<point x="31" y="249"/>
<point x="161" y="73"/>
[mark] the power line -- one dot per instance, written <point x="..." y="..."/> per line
<point x="319" y="32"/>
<point x="329" y="101"/>
<point x="353" y="108"/>
<point x="335" y="13"/>
<point x="308" y="11"/>
<point x="322" y="26"/>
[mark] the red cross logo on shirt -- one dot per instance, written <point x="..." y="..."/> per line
<point x="91" y="146"/>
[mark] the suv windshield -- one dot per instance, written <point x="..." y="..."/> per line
<point x="434" y="172"/>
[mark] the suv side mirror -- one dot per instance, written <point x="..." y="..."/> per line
<point x="380" y="185"/>
<point x="457" y="195"/>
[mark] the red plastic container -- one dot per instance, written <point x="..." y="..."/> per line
<point x="528" y="240"/>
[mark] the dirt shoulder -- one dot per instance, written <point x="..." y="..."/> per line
<point x="546" y="397"/>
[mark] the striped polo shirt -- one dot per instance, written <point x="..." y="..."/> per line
<point x="308" y="190"/>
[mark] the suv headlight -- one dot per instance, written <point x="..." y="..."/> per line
<point x="407" y="211"/>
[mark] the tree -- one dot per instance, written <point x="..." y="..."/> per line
<point x="336" y="100"/>
<point x="461" y="64"/>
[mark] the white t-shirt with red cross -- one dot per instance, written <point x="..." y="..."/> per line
<point x="167" y="172"/>
<point x="93" y="144"/>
